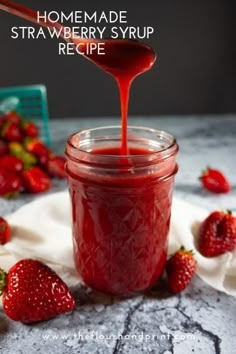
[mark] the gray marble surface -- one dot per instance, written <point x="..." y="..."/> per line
<point x="199" y="320"/>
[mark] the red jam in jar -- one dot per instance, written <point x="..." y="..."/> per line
<point x="121" y="206"/>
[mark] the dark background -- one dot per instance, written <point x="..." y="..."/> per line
<point x="195" y="71"/>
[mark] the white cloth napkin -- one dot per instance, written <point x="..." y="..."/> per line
<point x="42" y="230"/>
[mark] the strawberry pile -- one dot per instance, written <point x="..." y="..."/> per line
<point x="26" y="163"/>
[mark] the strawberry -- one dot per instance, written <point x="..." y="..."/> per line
<point x="217" y="234"/>
<point x="180" y="269"/>
<point x="36" y="147"/>
<point x="33" y="292"/>
<point x="11" y="132"/>
<point x="3" y="147"/>
<point x="5" y="231"/>
<point x="35" y="180"/>
<point x="30" y="129"/>
<point x="39" y="149"/>
<point x="43" y="161"/>
<point x="13" y="117"/>
<point x="56" y="167"/>
<point x="10" y="183"/>
<point x="17" y="150"/>
<point x="214" y="181"/>
<point x="11" y="163"/>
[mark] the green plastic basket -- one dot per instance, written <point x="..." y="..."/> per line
<point x="31" y="103"/>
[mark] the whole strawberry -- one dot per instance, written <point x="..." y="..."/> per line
<point x="11" y="163"/>
<point x="217" y="234"/>
<point x="13" y="117"/>
<point x="33" y="292"/>
<point x="11" y="132"/>
<point x="10" y="183"/>
<point x="180" y="269"/>
<point x="36" y="147"/>
<point x="5" y="231"/>
<point x="39" y="149"/>
<point x="35" y="180"/>
<point x="214" y="181"/>
<point x="56" y="167"/>
<point x="30" y="129"/>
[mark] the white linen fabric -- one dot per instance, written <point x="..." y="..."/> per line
<point x="42" y="230"/>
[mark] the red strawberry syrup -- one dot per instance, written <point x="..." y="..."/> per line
<point x="124" y="60"/>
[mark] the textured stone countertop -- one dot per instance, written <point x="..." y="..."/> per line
<point x="200" y="320"/>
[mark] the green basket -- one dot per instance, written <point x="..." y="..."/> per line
<point x="31" y="103"/>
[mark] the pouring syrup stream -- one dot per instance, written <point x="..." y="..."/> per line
<point x="124" y="59"/>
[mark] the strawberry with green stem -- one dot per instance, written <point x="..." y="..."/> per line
<point x="33" y="292"/>
<point x="18" y="150"/>
<point x="180" y="269"/>
<point x="39" y="149"/>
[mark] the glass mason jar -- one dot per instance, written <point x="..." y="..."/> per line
<point x="121" y="206"/>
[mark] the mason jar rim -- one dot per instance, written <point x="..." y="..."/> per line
<point x="169" y="150"/>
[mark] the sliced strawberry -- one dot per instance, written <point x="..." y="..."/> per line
<point x="11" y="163"/>
<point x="56" y="167"/>
<point x="35" y="180"/>
<point x="33" y="292"/>
<point x="214" y="181"/>
<point x="217" y="234"/>
<point x="10" y="183"/>
<point x="5" y="231"/>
